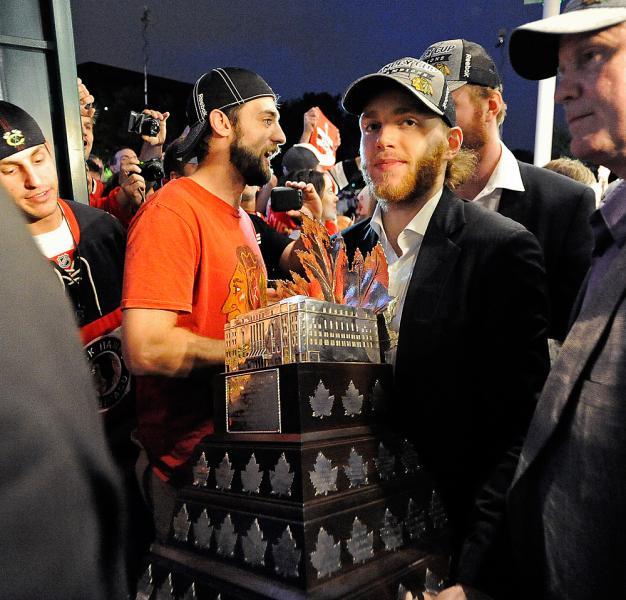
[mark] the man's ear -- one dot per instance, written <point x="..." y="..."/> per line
<point x="494" y="103"/>
<point x="220" y="123"/>
<point x="455" y="141"/>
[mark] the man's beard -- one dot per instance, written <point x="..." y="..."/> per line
<point x="252" y="167"/>
<point x="414" y="186"/>
<point x="475" y="137"/>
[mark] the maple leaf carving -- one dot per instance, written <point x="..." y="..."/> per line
<point x="226" y="537"/>
<point x="281" y="477"/>
<point x="224" y="474"/>
<point x="324" y="475"/>
<point x="166" y="590"/>
<point x="352" y="401"/>
<point x="286" y="555"/>
<point x="253" y="545"/>
<point x="252" y="476"/>
<point x="326" y="557"/>
<point x="391" y="531"/>
<point x="203" y="530"/>
<point x="361" y="543"/>
<point x="181" y="524"/>
<point x="322" y="401"/>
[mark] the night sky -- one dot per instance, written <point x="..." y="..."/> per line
<point x="300" y="46"/>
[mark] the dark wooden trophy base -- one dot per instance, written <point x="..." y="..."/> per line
<point x="324" y="503"/>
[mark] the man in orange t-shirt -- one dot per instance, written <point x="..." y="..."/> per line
<point x="193" y="264"/>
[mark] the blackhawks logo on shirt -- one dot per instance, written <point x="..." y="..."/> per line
<point x="248" y="285"/>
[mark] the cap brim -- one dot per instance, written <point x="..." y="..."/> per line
<point x="361" y="91"/>
<point x="187" y="146"/>
<point x="534" y="47"/>
<point x="455" y="84"/>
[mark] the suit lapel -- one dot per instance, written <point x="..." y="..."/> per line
<point x="437" y="256"/>
<point x="566" y="373"/>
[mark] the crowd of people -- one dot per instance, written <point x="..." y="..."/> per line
<point x="507" y="320"/>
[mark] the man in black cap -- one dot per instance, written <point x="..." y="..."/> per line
<point x="193" y="264"/>
<point x="470" y="310"/>
<point x="554" y="208"/>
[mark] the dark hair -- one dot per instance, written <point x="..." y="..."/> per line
<point x="92" y="165"/>
<point x="309" y="176"/>
<point x="202" y="149"/>
<point x="171" y="162"/>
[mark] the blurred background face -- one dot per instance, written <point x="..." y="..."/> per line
<point x="329" y="198"/>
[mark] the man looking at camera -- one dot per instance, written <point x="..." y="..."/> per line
<point x="193" y="263"/>
<point x="469" y="316"/>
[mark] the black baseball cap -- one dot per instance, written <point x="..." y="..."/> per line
<point x="534" y="47"/>
<point x="219" y="89"/>
<point x="18" y="130"/>
<point x="423" y="81"/>
<point x="463" y="62"/>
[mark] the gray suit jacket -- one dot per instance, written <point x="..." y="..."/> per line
<point x="567" y="505"/>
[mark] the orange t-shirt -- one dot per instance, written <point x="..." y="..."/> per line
<point x="189" y="252"/>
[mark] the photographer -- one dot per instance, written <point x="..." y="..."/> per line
<point x="129" y="184"/>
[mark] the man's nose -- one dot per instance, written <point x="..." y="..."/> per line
<point x="279" y="135"/>
<point x="385" y="136"/>
<point x="567" y="88"/>
<point x="33" y="178"/>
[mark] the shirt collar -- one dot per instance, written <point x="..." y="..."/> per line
<point x="418" y="224"/>
<point x="505" y="176"/>
<point x="614" y="212"/>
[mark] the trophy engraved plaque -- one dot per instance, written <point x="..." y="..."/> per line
<point x="251" y="477"/>
<point x="361" y="543"/>
<point x="203" y="531"/>
<point x="181" y="524"/>
<point x="253" y="402"/>
<point x="304" y="491"/>
<point x="286" y="555"/>
<point x="226" y="537"/>
<point x="281" y="477"/>
<point x="326" y="558"/>
<point x="253" y="545"/>
<point x="352" y="400"/>
<point x="324" y="476"/>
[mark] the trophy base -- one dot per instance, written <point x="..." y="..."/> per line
<point x="390" y="577"/>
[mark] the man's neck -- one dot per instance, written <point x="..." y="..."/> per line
<point x="488" y="158"/>
<point x="396" y="217"/>
<point x="47" y="224"/>
<point x="221" y="179"/>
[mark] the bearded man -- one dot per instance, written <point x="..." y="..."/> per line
<point x="470" y="308"/>
<point x="184" y="264"/>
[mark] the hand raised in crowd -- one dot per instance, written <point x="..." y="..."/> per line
<point x="159" y="139"/>
<point x="132" y="184"/>
<point x="85" y="100"/>
<point x="311" y="202"/>
<point x="311" y="118"/>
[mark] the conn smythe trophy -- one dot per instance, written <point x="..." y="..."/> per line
<point x="301" y="493"/>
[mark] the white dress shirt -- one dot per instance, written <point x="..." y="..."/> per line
<point x="505" y="176"/>
<point x="401" y="267"/>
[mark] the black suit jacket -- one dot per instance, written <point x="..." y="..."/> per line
<point x="471" y="357"/>
<point x="556" y="210"/>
